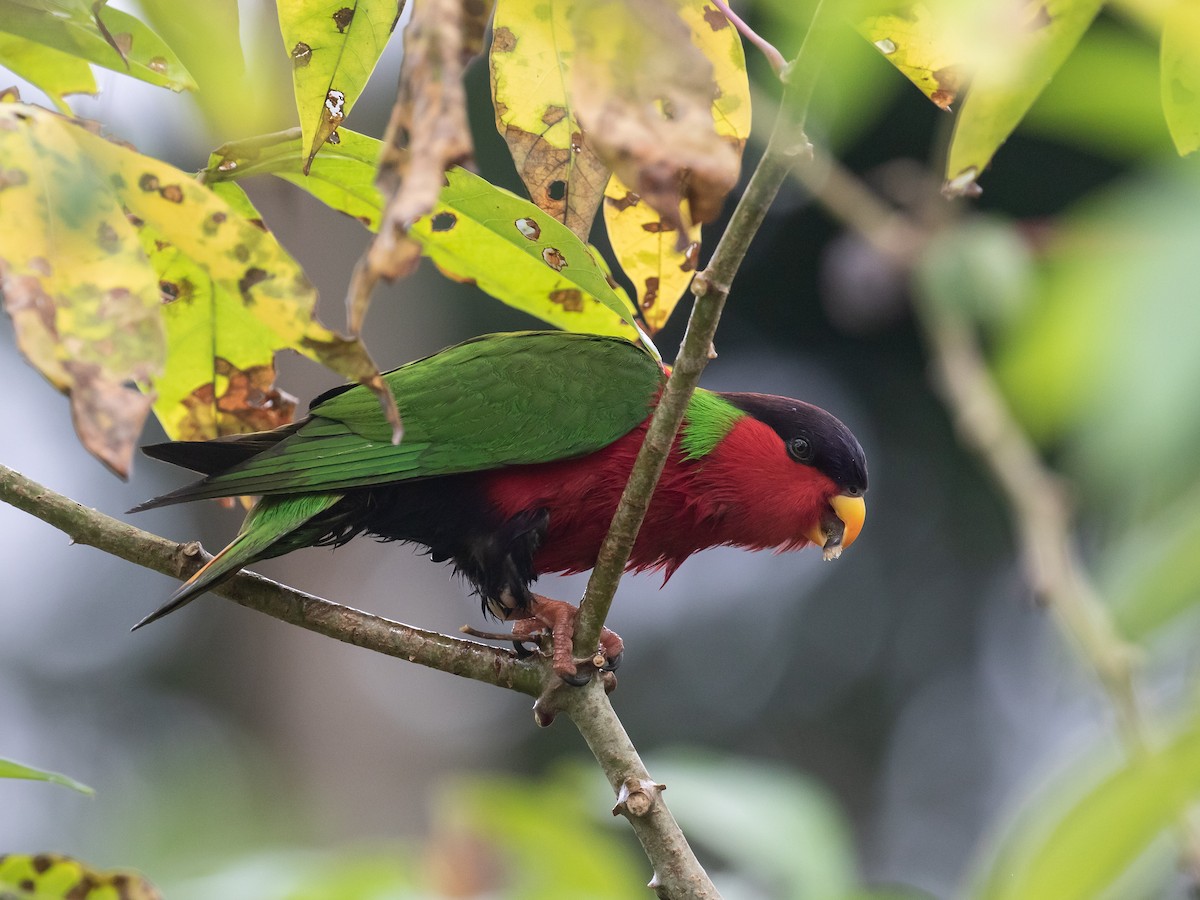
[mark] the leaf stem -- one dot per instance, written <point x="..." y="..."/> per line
<point x="774" y="57"/>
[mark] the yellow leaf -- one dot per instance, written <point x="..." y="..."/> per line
<point x="531" y="58"/>
<point x="93" y="320"/>
<point x="923" y="42"/>
<point x="644" y="94"/>
<point x="48" y="876"/>
<point x="1181" y="74"/>
<point x="83" y="300"/>
<point x="1027" y="47"/>
<point x="645" y="244"/>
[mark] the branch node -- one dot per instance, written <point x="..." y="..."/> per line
<point x="544" y="712"/>
<point x="637" y="797"/>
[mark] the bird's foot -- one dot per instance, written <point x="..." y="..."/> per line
<point x="558" y="619"/>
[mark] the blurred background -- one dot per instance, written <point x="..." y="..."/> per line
<point x="883" y="720"/>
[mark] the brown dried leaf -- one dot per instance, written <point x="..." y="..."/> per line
<point x="643" y="91"/>
<point x="476" y="14"/>
<point x="426" y="135"/>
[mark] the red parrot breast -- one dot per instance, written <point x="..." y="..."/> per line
<point x="747" y="492"/>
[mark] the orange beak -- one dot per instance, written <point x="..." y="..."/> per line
<point x="851" y="512"/>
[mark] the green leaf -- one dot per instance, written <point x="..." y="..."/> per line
<point x="54" y="73"/>
<point x="1153" y="576"/>
<point x="1181" y="74"/>
<point x="982" y="270"/>
<point x="10" y="769"/>
<point x="72" y="29"/>
<point x="1097" y="100"/>
<point x="1108" y="350"/>
<point x="764" y="819"/>
<point x="1008" y="80"/>
<point x="472" y="234"/>
<point x="342" y="176"/>
<point x="1079" y="851"/>
<point x="523" y="257"/>
<point x="562" y="173"/>
<point x="521" y="821"/>
<point x="334" y="46"/>
<point x="206" y="37"/>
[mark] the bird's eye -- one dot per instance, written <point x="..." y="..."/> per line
<point x="800" y="449"/>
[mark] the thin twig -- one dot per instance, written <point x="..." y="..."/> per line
<point x="711" y="288"/>
<point x="774" y="57"/>
<point x="1041" y="510"/>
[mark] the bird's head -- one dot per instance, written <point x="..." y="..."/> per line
<point x="815" y="439"/>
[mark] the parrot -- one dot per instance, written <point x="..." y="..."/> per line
<point x="516" y="448"/>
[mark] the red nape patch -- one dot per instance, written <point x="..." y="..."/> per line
<point x="747" y="493"/>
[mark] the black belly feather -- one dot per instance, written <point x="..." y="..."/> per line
<point x="449" y="516"/>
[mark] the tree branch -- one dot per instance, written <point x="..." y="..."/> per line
<point x="711" y="288"/>
<point x="427" y="648"/>
<point x="1041" y="511"/>
<point x="677" y="872"/>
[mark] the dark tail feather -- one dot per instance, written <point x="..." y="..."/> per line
<point x="214" y="457"/>
<point x="186" y="594"/>
<point x="208" y="458"/>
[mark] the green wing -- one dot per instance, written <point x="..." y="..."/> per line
<point x="497" y="400"/>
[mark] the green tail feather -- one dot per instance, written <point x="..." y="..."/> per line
<point x="266" y="525"/>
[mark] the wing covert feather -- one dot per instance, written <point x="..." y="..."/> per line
<point x="497" y="400"/>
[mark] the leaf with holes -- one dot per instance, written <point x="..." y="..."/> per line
<point x="51" y="876"/>
<point x="10" y="769"/>
<point x="477" y="232"/>
<point x="930" y="43"/>
<point x="109" y="38"/>
<point x="86" y="300"/>
<point x="531" y="57"/>
<point x="219" y="378"/>
<point x="1181" y="74"/>
<point x="53" y="72"/>
<point x="1024" y="52"/>
<point x="644" y="242"/>
<point x="522" y="256"/>
<point x="334" y="46"/>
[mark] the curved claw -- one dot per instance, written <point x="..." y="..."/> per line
<point x="614" y="662"/>
<point x="522" y="650"/>
<point x="579" y="679"/>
